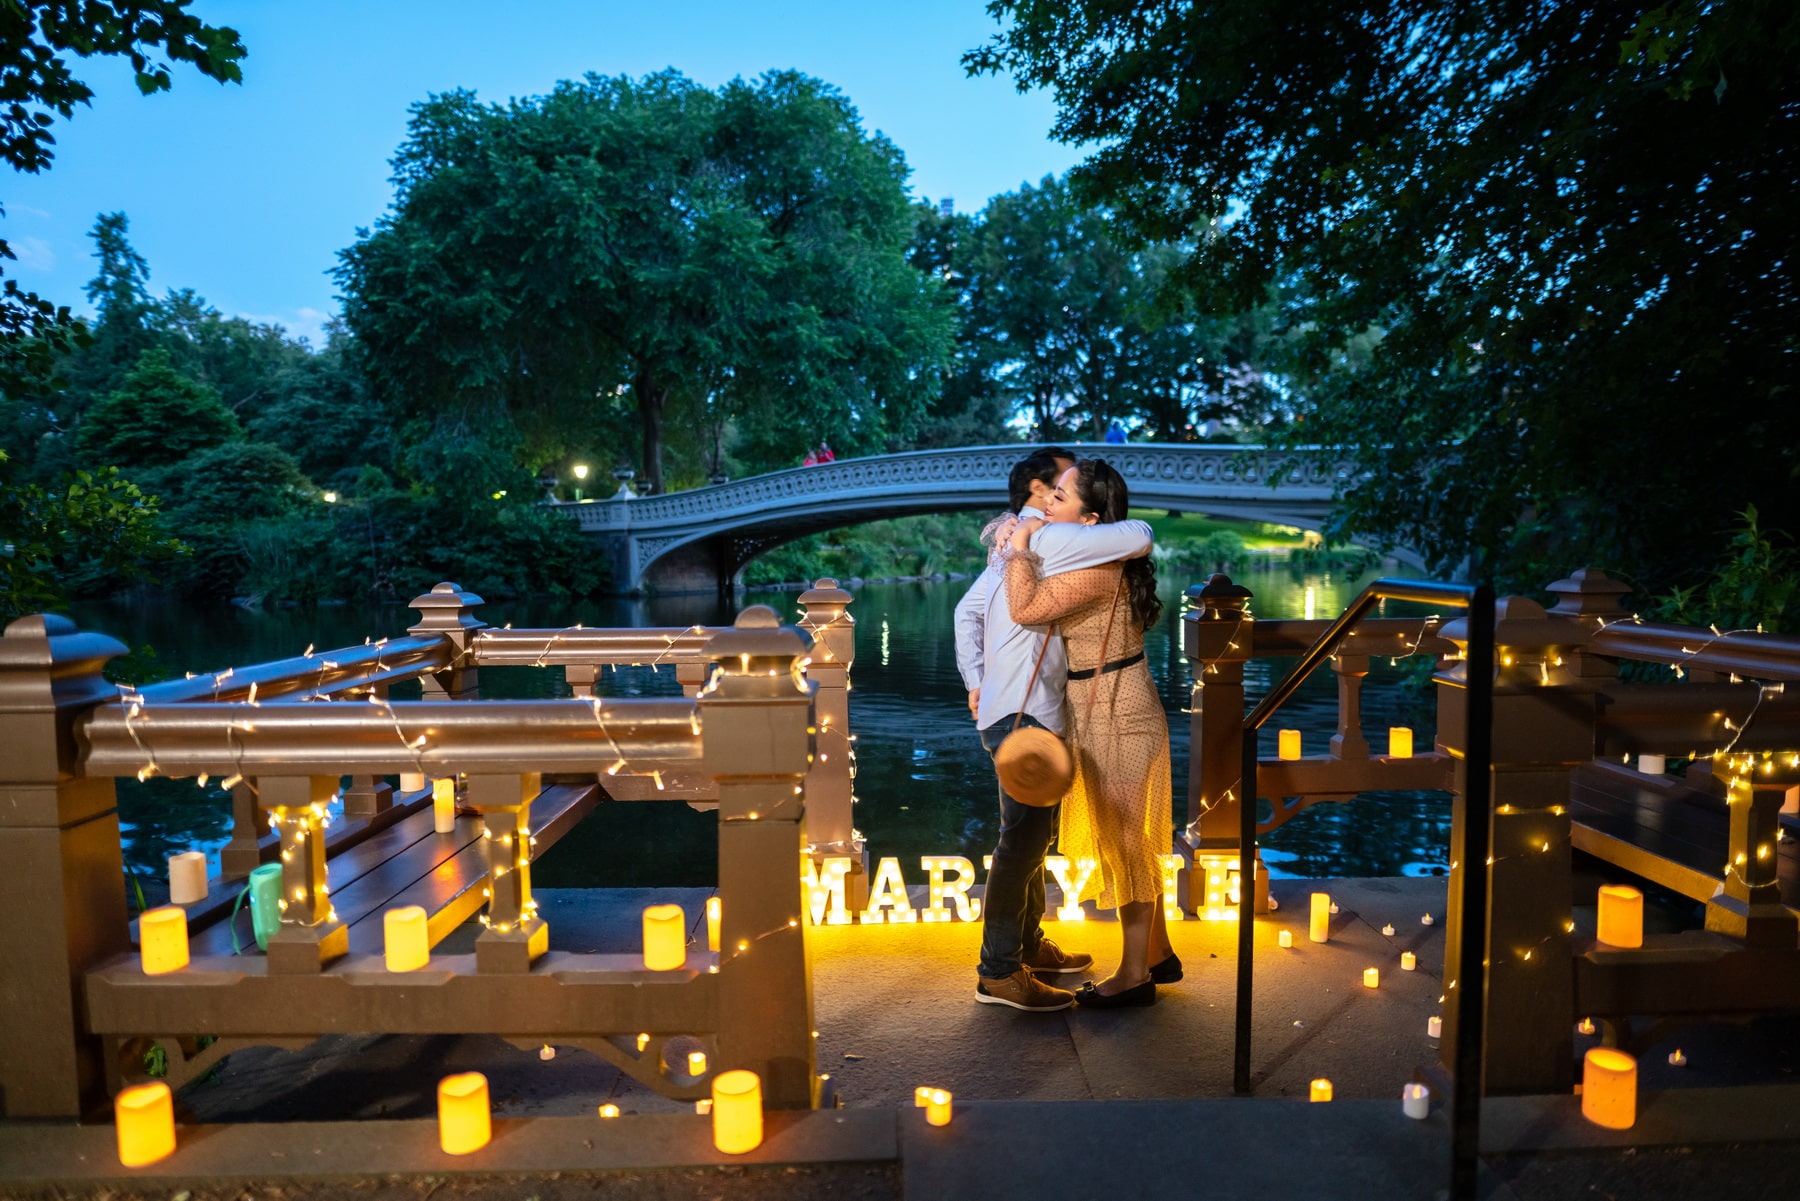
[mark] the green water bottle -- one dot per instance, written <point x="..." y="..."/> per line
<point x="265" y="902"/>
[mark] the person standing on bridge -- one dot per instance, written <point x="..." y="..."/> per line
<point x="996" y="656"/>
<point x="1117" y="812"/>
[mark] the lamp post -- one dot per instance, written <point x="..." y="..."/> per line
<point x="580" y="475"/>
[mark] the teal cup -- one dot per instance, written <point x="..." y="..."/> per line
<point x="265" y="902"/>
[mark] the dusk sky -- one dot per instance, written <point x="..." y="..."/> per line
<point x="246" y="193"/>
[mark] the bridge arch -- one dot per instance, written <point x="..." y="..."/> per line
<point x="701" y="540"/>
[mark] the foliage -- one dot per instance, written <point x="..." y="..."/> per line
<point x="156" y="419"/>
<point x="96" y="528"/>
<point x="647" y="256"/>
<point x="1755" y="586"/>
<point x="1531" y="252"/>
<point x="36" y="37"/>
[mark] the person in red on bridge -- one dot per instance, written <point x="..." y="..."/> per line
<point x="826" y="454"/>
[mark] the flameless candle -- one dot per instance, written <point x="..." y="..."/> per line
<point x="1653" y="765"/>
<point x="1621" y="916"/>
<point x="1609" y="1088"/>
<point x="404" y="938"/>
<point x="937" y="1108"/>
<point x="464" y="1124"/>
<point x="1586" y="1026"/>
<point x="703" y="1106"/>
<point x="1409" y="962"/>
<point x="145" y="1116"/>
<point x="1371" y="978"/>
<point x="696" y="1063"/>
<point x="1426" y="920"/>
<point x="1415" y="1102"/>
<point x="1321" y="1090"/>
<point x="1387" y="931"/>
<point x="1399" y="742"/>
<point x="1434" y="1027"/>
<point x="1320" y="930"/>
<point x="1288" y="744"/>
<point x="187" y="878"/>
<point x="443" y="806"/>
<point x="1677" y="1059"/>
<point x="412" y="781"/>
<point x="922" y="1096"/>
<point x="609" y="1110"/>
<point x="162" y="939"/>
<point x="1285" y="938"/>
<point x="737" y="1111"/>
<point x="715" y="913"/>
<point x="665" y="938"/>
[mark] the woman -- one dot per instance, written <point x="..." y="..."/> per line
<point x="1118" y="810"/>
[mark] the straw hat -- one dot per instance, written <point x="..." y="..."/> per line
<point x="1034" y="766"/>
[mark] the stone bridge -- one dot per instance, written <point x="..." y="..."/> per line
<point x="701" y="540"/>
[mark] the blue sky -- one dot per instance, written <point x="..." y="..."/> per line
<point x="246" y="194"/>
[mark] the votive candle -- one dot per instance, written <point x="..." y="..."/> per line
<point x="412" y="781"/>
<point x="1285" y="938"/>
<point x="187" y="878"/>
<point x="464" y="1122"/>
<point x="1415" y="1101"/>
<point x="922" y="1096"/>
<point x="1320" y="929"/>
<point x="696" y="1063"/>
<point x="1409" y="962"/>
<point x="1653" y="765"/>
<point x="1434" y="1027"/>
<point x="737" y="1111"/>
<point x="937" y="1107"/>
<point x="145" y="1117"/>
<point x="1320" y="1090"/>
<point x="1621" y="916"/>
<point x="405" y="940"/>
<point x="665" y="938"/>
<point x="1371" y="978"/>
<point x="163" y="939"/>
<point x="443" y="806"/>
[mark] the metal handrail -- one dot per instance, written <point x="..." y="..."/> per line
<point x="1472" y="853"/>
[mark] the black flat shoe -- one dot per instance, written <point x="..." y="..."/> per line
<point x="1168" y="971"/>
<point x="1089" y="996"/>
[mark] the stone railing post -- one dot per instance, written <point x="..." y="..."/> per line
<point x="311" y="934"/>
<point x="1543" y="728"/>
<point x="1218" y="633"/>
<point x="830" y="785"/>
<point x="1750" y="907"/>
<point x="450" y="612"/>
<point x="243" y="854"/>
<point x="1349" y="742"/>
<point x="515" y="934"/>
<point x="757" y="716"/>
<point x="62" y="887"/>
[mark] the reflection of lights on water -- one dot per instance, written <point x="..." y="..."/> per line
<point x="884" y="642"/>
<point x="1312" y="602"/>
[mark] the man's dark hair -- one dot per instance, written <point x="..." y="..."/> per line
<point x="1041" y="465"/>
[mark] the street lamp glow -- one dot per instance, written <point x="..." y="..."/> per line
<point x="581" y="471"/>
<point x="330" y="498"/>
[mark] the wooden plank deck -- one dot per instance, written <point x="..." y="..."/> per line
<point x="1664" y="832"/>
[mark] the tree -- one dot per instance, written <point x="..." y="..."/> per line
<point x="36" y="36"/>
<point x="583" y="265"/>
<point x="1538" y="251"/>
<point x="157" y="419"/>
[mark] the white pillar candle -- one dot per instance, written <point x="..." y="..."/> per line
<point x="1415" y="1102"/>
<point x="1285" y="938"/>
<point x="1400" y="742"/>
<point x="187" y="878"/>
<point x="1621" y="922"/>
<point x="737" y="1111"/>
<point x="163" y="939"/>
<point x="1653" y="765"/>
<point x="464" y="1119"/>
<point x="715" y="913"/>
<point x="443" y="806"/>
<point x="665" y="938"/>
<point x="1434" y="1027"/>
<point x="406" y="938"/>
<point x="1320" y="928"/>
<point x="1371" y="978"/>
<point x="1409" y="962"/>
<point x="1287" y="744"/>
<point x="1609" y="1088"/>
<point x="412" y="781"/>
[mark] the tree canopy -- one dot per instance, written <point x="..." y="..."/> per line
<point x="1536" y="256"/>
<point x="587" y="265"/>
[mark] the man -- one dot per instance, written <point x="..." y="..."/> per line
<point x="996" y="655"/>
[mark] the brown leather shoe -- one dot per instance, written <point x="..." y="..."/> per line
<point x="1052" y="960"/>
<point x="1022" y="990"/>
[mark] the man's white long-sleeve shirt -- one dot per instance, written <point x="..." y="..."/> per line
<point x="995" y="653"/>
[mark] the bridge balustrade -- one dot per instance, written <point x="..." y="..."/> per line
<point x="1565" y="731"/>
<point x="746" y="739"/>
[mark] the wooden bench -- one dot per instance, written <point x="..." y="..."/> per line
<point x="404" y="862"/>
<point x="1664" y="831"/>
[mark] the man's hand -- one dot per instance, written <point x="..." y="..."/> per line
<point x="1022" y="532"/>
<point x="974" y="702"/>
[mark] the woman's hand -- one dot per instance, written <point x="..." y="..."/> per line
<point x="1022" y="532"/>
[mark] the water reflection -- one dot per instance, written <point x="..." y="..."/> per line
<point x="924" y="784"/>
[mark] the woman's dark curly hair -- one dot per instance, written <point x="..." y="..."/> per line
<point x="1102" y="492"/>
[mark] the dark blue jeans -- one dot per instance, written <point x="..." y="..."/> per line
<point x="1013" y="909"/>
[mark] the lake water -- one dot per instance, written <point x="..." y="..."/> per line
<point x="924" y="784"/>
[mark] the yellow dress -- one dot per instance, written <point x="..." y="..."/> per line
<point x="1118" y="810"/>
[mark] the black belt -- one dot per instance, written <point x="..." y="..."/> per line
<point x="1115" y="665"/>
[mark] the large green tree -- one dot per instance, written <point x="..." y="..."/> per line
<point x="1539" y="253"/>
<point x="645" y="257"/>
<point x="38" y="39"/>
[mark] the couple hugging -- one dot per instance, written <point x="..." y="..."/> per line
<point x="1069" y="582"/>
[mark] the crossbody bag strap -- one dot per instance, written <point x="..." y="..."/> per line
<point x="1105" y="639"/>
